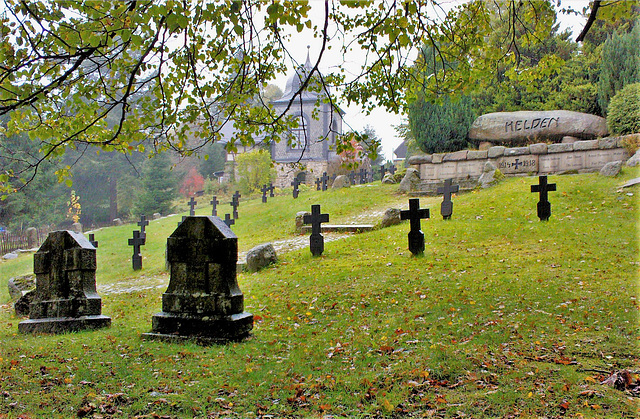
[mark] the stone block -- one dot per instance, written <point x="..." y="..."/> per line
<point x="477" y="154"/>
<point x="585" y="145"/>
<point x="495" y="152"/>
<point x="455" y="156"/>
<point x="391" y="217"/>
<point x="607" y="143"/>
<point x="437" y="158"/>
<point x="260" y="257"/>
<point x="516" y="151"/>
<point x="559" y="148"/>
<point x="539" y="148"/>
<point x="420" y="159"/>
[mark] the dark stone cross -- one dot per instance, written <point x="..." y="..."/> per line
<point x="228" y="220"/>
<point x="324" y="179"/>
<point x="318" y="184"/>
<point x="414" y="214"/>
<point x="383" y="170"/>
<point x="143" y="223"/>
<point x="92" y="240"/>
<point x="392" y="169"/>
<point x="235" y="203"/>
<point x="352" y="177"/>
<point x="544" y="206"/>
<point x="316" y="241"/>
<point x="363" y="176"/>
<point x="295" y="184"/>
<point x="264" y="191"/>
<point x="136" y="242"/>
<point x="446" y="208"/>
<point x="271" y="190"/>
<point x="192" y="206"/>
<point x="214" y="202"/>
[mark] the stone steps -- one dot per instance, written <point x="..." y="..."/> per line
<point x="342" y="228"/>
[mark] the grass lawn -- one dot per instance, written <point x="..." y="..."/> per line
<point x="503" y="316"/>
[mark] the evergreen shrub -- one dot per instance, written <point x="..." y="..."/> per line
<point x="623" y="115"/>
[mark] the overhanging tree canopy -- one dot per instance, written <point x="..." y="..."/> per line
<point x="126" y="75"/>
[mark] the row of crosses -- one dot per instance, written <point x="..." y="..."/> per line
<point x="322" y="182"/>
<point x="414" y="214"/>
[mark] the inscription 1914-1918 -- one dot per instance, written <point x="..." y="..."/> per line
<point x="517" y="164"/>
<point x="525" y="124"/>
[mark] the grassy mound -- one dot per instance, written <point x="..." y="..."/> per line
<point x="503" y="316"/>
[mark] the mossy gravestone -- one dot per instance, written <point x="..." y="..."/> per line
<point x="203" y="302"/>
<point x="65" y="298"/>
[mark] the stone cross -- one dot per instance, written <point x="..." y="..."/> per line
<point x="228" y="220"/>
<point x="295" y="184"/>
<point x="65" y="298"/>
<point x="352" y="177"/>
<point x="318" y="184"/>
<point x="446" y="208"/>
<point x="392" y="169"/>
<point x="92" y="240"/>
<point x="203" y="302"/>
<point x="137" y="241"/>
<point x="264" y="191"/>
<point x="214" y="203"/>
<point x="316" y="241"/>
<point x="363" y="176"/>
<point x="544" y="206"/>
<point x="235" y="203"/>
<point x="383" y="170"/>
<point x="143" y="223"/>
<point x="325" y="179"/>
<point x="414" y="214"/>
<point x="192" y="206"/>
<point x="271" y="190"/>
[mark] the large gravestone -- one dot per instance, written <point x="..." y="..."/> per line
<point x="529" y="126"/>
<point x="316" y="240"/>
<point x="414" y="214"/>
<point x="203" y="302"/>
<point x="65" y="298"/>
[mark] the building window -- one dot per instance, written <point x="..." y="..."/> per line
<point x="299" y="134"/>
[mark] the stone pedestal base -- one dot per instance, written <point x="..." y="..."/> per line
<point x="200" y="329"/>
<point x="63" y="324"/>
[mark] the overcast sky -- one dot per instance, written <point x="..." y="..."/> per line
<point x="382" y="121"/>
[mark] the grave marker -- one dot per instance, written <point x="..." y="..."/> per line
<point x="271" y="190"/>
<point x="192" y="206"/>
<point x="318" y="184"/>
<point x="324" y="179"/>
<point x="264" y="191"/>
<point x="92" y="240"/>
<point x="203" y="302"/>
<point x="414" y="214"/>
<point x="392" y="169"/>
<point x="352" y="177"/>
<point x="228" y="220"/>
<point x="143" y="223"/>
<point x="214" y="203"/>
<point x="295" y="184"/>
<point x="235" y="203"/>
<point x="544" y="206"/>
<point x="65" y="298"/>
<point x="137" y="241"/>
<point x="363" y="176"/>
<point x="316" y="240"/>
<point x="446" y="208"/>
<point x="383" y="170"/>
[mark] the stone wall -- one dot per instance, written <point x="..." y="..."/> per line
<point x="535" y="159"/>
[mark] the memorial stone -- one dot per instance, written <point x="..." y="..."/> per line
<point x="157" y="215"/>
<point x="65" y="298"/>
<point x="446" y="208"/>
<point x="414" y="214"/>
<point x="316" y="240"/>
<point x="137" y="241"/>
<point x="203" y="302"/>
<point x="340" y="182"/>
<point x="117" y="222"/>
<point x="544" y="206"/>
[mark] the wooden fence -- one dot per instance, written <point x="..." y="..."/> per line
<point x="10" y="241"/>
